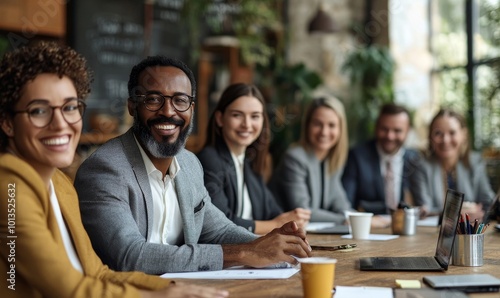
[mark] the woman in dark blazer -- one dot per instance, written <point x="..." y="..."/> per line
<point x="234" y="161"/>
<point x="309" y="174"/>
<point x="449" y="163"/>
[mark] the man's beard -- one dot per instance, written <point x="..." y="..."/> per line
<point x="162" y="149"/>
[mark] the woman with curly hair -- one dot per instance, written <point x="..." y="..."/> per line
<point x="48" y="252"/>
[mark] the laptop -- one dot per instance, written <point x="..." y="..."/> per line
<point x="441" y="259"/>
<point x="469" y="283"/>
<point x="327" y="228"/>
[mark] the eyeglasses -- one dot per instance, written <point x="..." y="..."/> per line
<point x="41" y="113"/>
<point x="155" y="101"/>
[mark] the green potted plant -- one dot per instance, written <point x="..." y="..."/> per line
<point x="289" y="89"/>
<point x="370" y="70"/>
<point x="247" y="20"/>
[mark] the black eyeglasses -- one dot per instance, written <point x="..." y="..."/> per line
<point x="40" y="114"/>
<point x="154" y="101"/>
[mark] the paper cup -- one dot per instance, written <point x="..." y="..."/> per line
<point x="360" y="224"/>
<point x="318" y="275"/>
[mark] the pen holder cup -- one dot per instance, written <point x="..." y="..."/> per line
<point x="468" y="250"/>
<point x="404" y="221"/>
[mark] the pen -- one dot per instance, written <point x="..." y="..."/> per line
<point x="462" y="224"/>
<point x="480" y="229"/>
<point x="476" y="226"/>
<point x="467" y="224"/>
<point x="484" y="228"/>
<point x="332" y="248"/>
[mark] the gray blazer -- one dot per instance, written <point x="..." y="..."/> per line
<point x="428" y="183"/>
<point x="116" y="206"/>
<point x="297" y="183"/>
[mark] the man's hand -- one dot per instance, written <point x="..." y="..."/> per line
<point x="275" y="247"/>
<point x="474" y="210"/>
<point x="379" y="221"/>
<point x="300" y="216"/>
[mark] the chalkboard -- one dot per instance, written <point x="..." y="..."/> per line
<point x="114" y="35"/>
<point x="169" y="32"/>
<point x="110" y="35"/>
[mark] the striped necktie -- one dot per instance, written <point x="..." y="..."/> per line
<point x="390" y="199"/>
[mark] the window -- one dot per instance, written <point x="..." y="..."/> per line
<point x="465" y="42"/>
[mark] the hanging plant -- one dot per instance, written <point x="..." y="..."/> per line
<point x="247" y="20"/>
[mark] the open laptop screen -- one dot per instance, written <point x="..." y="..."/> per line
<point x="451" y="212"/>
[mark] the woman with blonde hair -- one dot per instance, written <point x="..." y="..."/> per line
<point x="309" y="173"/>
<point x="449" y="163"/>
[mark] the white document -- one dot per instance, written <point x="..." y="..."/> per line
<point x="315" y="226"/>
<point x="430" y="221"/>
<point x="379" y="237"/>
<point x="372" y="292"/>
<point x="237" y="272"/>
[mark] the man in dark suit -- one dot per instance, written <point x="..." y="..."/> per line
<point x="376" y="175"/>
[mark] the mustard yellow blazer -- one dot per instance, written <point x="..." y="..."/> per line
<point x="33" y="260"/>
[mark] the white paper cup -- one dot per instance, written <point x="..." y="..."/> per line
<point x="360" y="224"/>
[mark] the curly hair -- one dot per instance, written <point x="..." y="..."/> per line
<point x="25" y="63"/>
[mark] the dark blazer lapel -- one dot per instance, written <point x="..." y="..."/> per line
<point x="230" y="170"/>
<point x="135" y="159"/>
<point x="252" y="186"/>
<point x="374" y="160"/>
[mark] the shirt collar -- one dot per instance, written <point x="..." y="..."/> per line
<point x="396" y="156"/>
<point x="173" y="170"/>
<point x="238" y="158"/>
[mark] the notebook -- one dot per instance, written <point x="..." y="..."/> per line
<point x="469" y="283"/>
<point x="441" y="259"/>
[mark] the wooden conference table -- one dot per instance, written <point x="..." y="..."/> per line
<point x="347" y="271"/>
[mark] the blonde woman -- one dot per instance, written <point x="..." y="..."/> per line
<point x="449" y="163"/>
<point x="309" y="175"/>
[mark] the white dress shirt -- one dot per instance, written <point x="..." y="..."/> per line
<point x="397" y="162"/>
<point x="244" y="203"/>
<point x="67" y="241"/>
<point x="167" y="221"/>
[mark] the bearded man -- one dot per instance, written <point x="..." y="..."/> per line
<point x="142" y="197"/>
